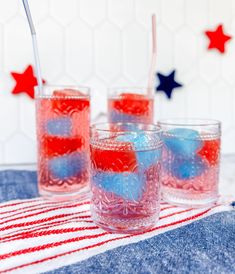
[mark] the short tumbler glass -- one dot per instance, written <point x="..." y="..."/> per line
<point x="130" y="105"/>
<point x="62" y="114"/>
<point x="125" y="176"/>
<point x="190" y="161"/>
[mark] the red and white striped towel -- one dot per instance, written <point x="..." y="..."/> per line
<point x="38" y="235"/>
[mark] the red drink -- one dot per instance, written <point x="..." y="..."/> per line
<point x="63" y="141"/>
<point x="130" y="107"/>
<point x="190" y="163"/>
<point x="125" y="179"/>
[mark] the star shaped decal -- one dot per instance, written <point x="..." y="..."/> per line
<point x="218" y="39"/>
<point x="25" y="82"/>
<point x="167" y="83"/>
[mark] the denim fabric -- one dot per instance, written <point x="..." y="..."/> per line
<point x="17" y="184"/>
<point x="205" y="246"/>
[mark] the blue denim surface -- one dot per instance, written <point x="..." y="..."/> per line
<point x="205" y="246"/>
<point x="17" y="184"/>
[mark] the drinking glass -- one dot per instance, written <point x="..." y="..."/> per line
<point x="130" y="105"/>
<point x="62" y="118"/>
<point x="190" y="161"/>
<point x="125" y="176"/>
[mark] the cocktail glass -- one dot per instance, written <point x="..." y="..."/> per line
<point x="125" y="176"/>
<point x="190" y="161"/>
<point x="63" y="115"/>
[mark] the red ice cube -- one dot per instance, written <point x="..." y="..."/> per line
<point x="121" y="159"/>
<point x="65" y="104"/>
<point x="68" y="92"/>
<point x="210" y="150"/>
<point x="130" y="103"/>
<point x="53" y="146"/>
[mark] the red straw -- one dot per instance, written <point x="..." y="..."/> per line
<point x="154" y="55"/>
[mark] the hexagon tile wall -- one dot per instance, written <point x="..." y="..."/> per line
<point x="107" y="43"/>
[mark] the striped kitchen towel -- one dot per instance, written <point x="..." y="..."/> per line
<point x="38" y="235"/>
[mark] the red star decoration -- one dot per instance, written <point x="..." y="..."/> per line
<point x="25" y="82"/>
<point x="217" y="39"/>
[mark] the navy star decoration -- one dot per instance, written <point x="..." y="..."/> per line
<point x="167" y="83"/>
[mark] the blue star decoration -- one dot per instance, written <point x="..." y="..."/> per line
<point x="167" y="83"/>
<point x="233" y="204"/>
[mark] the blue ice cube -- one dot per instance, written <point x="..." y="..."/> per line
<point x="185" y="169"/>
<point x="183" y="141"/>
<point x="118" y="117"/>
<point x="59" y="126"/>
<point x="145" y="157"/>
<point x="127" y="137"/>
<point x="148" y="158"/>
<point x="129" y="186"/>
<point x="67" y="166"/>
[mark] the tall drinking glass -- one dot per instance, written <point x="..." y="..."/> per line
<point x="63" y="115"/>
<point x="190" y="161"/>
<point x="125" y="172"/>
<point x="130" y="105"/>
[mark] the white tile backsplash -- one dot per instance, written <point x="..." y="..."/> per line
<point x="165" y="47"/>
<point x="8" y="10"/>
<point x="196" y="15"/>
<point x="19" y="149"/>
<point x="135" y="52"/>
<point x="210" y="67"/>
<point x="39" y="9"/>
<point x="63" y="11"/>
<point x="173" y="14"/>
<point x="93" y="12"/>
<point x="79" y="50"/>
<point x="27" y="117"/>
<point x="17" y="48"/>
<point x="107" y="43"/>
<point x="108" y="64"/>
<point x="121" y="12"/>
<point x="9" y="111"/>
<point x="186" y="50"/>
<point x="221" y="103"/>
<point x="51" y="49"/>
<point x="143" y="11"/>
<point x="220" y="11"/>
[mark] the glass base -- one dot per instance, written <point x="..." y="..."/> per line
<point x="65" y="196"/>
<point x="124" y="225"/>
<point x="180" y="198"/>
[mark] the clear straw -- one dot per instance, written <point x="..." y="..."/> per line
<point x="154" y="55"/>
<point x="35" y="45"/>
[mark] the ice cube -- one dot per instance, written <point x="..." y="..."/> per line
<point x="118" y="117"/>
<point x="59" y="126"/>
<point x="54" y="146"/>
<point x="189" y="168"/>
<point x="69" y="101"/>
<point x="68" y="92"/>
<point x="129" y="186"/>
<point x="138" y="138"/>
<point x="183" y="141"/>
<point x="68" y="166"/>
<point x="210" y="151"/>
<point x="130" y="103"/>
<point x="114" y="156"/>
<point x="146" y="156"/>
